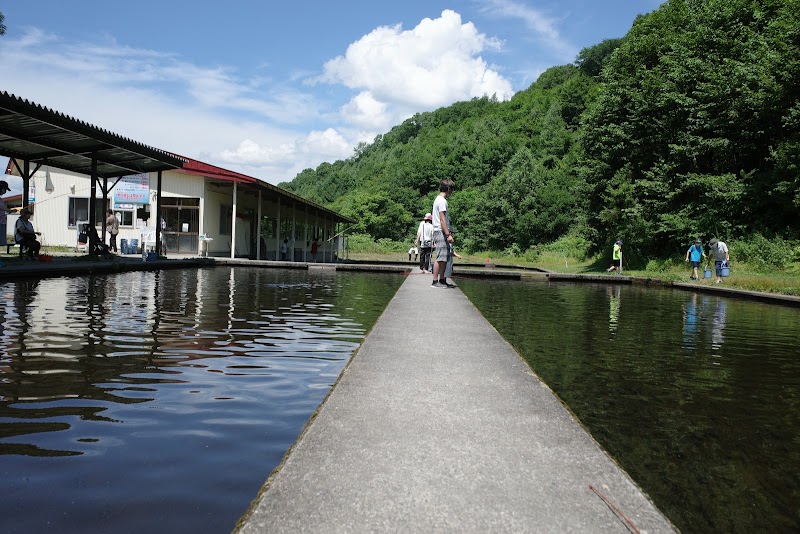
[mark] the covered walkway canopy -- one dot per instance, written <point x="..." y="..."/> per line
<point x="40" y="136"/>
<point x="32" y="135"/>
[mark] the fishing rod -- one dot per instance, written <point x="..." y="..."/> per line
<point x="340" y="233"/>
<point x="20" y="208"/>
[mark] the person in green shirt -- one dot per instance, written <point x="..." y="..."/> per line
<point x="616" y="258"/>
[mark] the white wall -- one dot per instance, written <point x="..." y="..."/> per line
<point x="52" y="212"/>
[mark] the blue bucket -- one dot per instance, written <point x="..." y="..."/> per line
<point x="726" y="271"/>
<point x="707" y="273"/>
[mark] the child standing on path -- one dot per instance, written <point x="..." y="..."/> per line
<point x="695" y="254"/>
<point x="616" y="258"/>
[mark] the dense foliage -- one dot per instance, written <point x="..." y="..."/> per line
<point x="688" y="126"/>
<point x="696" y="126"/>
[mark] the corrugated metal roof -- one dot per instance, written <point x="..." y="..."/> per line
<point x="32" y="132"/>
<point x="29" y="131"/>
<point x="191" y="166"/>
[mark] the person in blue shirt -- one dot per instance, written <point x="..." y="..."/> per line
<point x="695" y="254"/>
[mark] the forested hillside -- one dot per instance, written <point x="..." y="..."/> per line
<point x="688" y="126"/>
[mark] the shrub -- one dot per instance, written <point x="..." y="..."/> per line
<point x="364" y="244"/>
<point x="532" y="254"/>
<point x="662" y="266"/>
<point x="361" y="243"/>
<point x="513" y="251"/>
<point x="568" y="246"/>
<point x="762" y="253"/>
<point x="386" y="245"/>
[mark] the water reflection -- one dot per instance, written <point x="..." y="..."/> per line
<point x="697" y="396"/>
<point x="704" y="318"/>
<point x="175" y="392"/>
<point x="718" y="323"/>
<point x="691" y="322"/>
<point x="614" y="292"/>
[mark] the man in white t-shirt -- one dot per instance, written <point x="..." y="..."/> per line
<point x="721" y="256"/>
<point x="442" y="234"/>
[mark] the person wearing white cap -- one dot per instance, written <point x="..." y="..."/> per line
<point x="3" y="214"/>
<point x="424" y="241"/>
<point x="721" y="256"/>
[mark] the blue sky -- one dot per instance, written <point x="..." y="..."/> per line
<point x="271" y="88"/>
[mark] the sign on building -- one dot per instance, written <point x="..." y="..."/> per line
<point x="133" y="189"/>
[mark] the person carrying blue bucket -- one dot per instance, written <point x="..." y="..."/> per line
<point x="721" y="257"/>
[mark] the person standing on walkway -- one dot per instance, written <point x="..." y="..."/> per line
<point x="284" y="249"/>
<point x="424" y="241"/>
<point x="721" y="256"/>
<point x="314" y="250"/>
<point x="695" y="254"/>
<point x="112" y="225"/>
<point x="442" y="234"/>
<point x="3" y="213"/>
<point x="616" y="258"/>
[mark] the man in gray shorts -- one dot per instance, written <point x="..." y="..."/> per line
<point x="442" y="234"/>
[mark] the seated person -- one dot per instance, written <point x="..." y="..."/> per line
<point x="24" y="235"/>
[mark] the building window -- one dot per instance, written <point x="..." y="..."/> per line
<point x="125" y="217"/>
<point x="225" y="214"/>
<point x="79" y="211"/>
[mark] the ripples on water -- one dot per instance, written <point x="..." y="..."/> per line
<point x="697" y="396"/>
<point x="147" y="402"/>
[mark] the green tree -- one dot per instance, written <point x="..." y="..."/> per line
<point x="377" y="215"/>
<point x="2" y="26"/>
<point x="692" y="128"/>
<point x="591" y="60"/>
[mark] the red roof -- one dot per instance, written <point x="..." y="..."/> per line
<point x="192" y="166"/>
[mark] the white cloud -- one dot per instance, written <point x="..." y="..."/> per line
<point x="364" y="110"/>
<point x="158" y="100"/>
<point x="543" y="26"/>
<point x="304" y="152"/>
<point x="251" y="153"/>
<point x="256" y="125"/>
<point x="329" y="142"/>
<point x="401" y="72"/>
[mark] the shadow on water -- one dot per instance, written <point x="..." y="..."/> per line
<point x="696" y="396"/>
<point x="160" y="402"/>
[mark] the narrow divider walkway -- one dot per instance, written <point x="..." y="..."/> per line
<point x="438" y="425"/>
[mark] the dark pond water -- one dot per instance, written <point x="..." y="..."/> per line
<point x="696" y="396"/>
<point x="160" y="402"/>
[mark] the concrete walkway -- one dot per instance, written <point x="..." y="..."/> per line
<point x="439" y="426"/>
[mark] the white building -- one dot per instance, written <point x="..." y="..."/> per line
<point x="198" y="200"/>
<point x="203" y="208"/>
